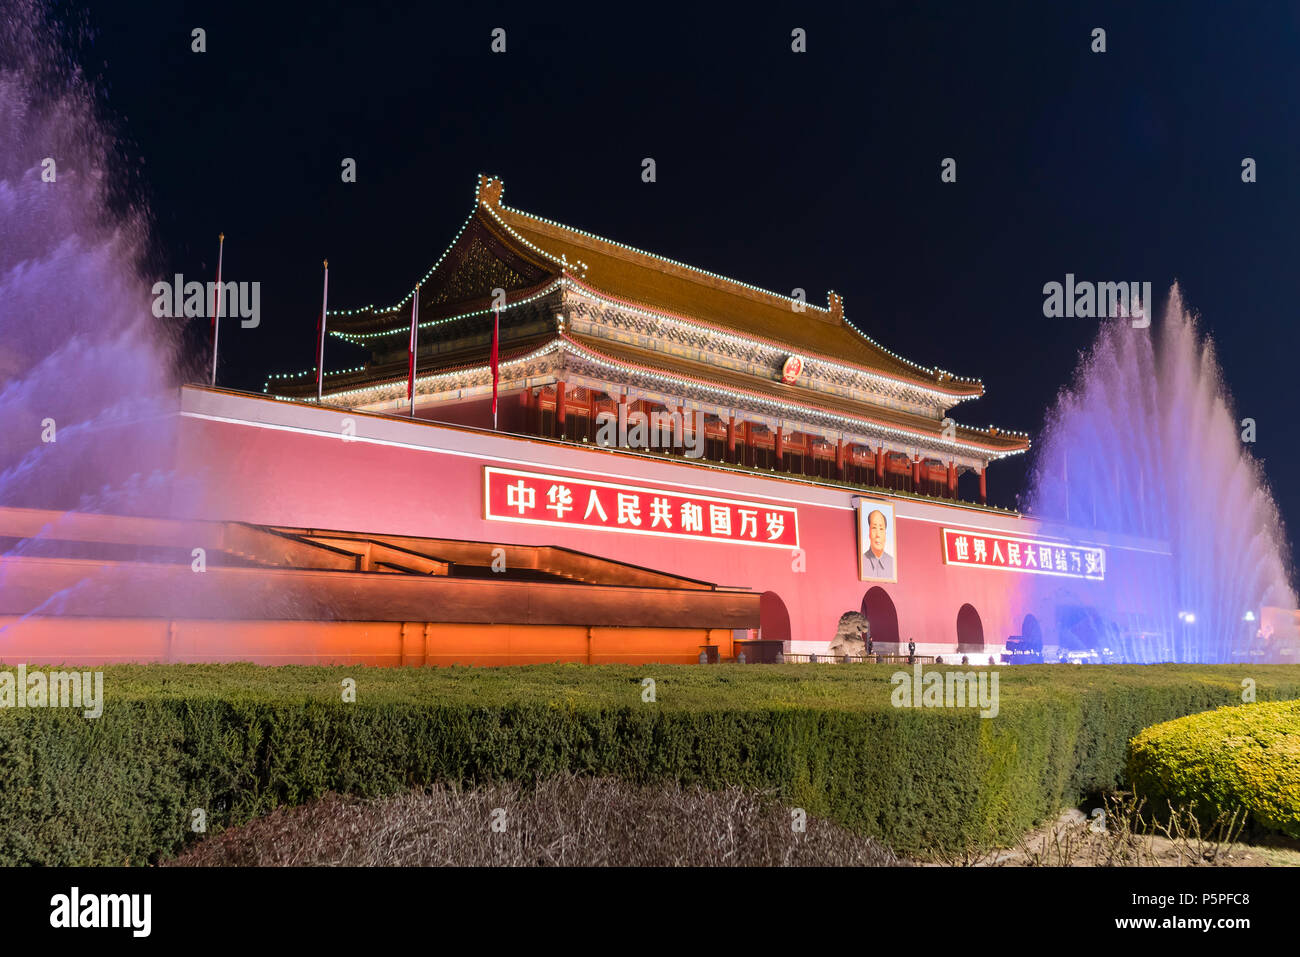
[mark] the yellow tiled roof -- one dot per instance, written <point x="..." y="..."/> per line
<point x="662" y="284"/>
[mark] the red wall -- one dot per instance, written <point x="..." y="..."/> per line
<point x="287" y="464"/>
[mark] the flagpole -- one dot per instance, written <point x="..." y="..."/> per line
<point x="217" y="299"/>
<point x="415" y="344"/>
<point x="496" y="362"/>
<point x="320" y="349"/>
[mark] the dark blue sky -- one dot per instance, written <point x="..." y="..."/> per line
<point x="818" y="170"/>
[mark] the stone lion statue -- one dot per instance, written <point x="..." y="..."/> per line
<point x="850" y="635"/>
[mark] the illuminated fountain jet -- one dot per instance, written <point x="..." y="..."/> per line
<point x="1145" y="444"/>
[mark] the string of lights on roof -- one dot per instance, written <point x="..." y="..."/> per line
<point x="729" y="336"/>
<point x="562" y="261"/>
<point x="357" y="337"/>
<point x="929" y="370"/>
<point x="609" y="365"/>
<point x="407" y="298"/>
<point x="549" y="347"/>
<point x="664" y="259"/>
<point x="307" y="372"/>
<point x="713" y="275"/>
<point x="478" y="204"/>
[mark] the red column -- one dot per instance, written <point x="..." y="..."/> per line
<point x="880" y="465"/>
<point x="749" y="444"/>
<point x="560" y="392"/>
<point x="591" y="415"/>
<point x="779" y="452"/>
<point x="916" y="474"/>
<point x="984" y="492"/>
<point x="839" y="458"/>
<point x="952" y="479"/>
<point x="524" y="398"/>
<point x="731" y="440"/>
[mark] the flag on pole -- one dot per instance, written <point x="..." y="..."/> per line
<point x="415" y="325"/>
<point x="320" y="342"/>
<point x="217" y="300"/>
<point x="496" y="351"/>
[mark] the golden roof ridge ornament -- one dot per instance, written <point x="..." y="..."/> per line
<point x="490" y="189"/>
<point x="835" y="303"/>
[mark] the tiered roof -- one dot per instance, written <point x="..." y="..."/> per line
<point x="655" y="282"/>
<point x="535" y="258"/>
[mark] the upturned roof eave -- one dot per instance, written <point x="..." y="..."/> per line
<point x="926" y="378"/>
<point x="1000" y="446"/>
<point x="1004" y="446"/>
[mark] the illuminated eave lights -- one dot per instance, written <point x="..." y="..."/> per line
<point x="565" y="278"/>
<point x="787" y="410"/>
<point x="354" y="338"/>
<point x="407" y="298"/>
<point x="551" y="346"/>
<point x="561" y="260"/>
<point x="405" y="330"/>
<point x="717" y="332"/>
<point x="298" y="375"/>
<point x="779" y="348"/>
<point x="479" y="203"/>
<point x="777" y="405"/>
<point x="713" y="275"/>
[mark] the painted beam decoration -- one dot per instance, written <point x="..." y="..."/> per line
<point x="535" y="498"/>
<point x="1016" y="554"/>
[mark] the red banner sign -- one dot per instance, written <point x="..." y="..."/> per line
<point x="561" y="500"/>
<point x="1013" y="554"/>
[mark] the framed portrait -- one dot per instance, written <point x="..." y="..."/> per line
<point x="877" y="542"/>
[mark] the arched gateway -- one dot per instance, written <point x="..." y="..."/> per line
<point x="880" y="612"/>
<point x="970" y="630"/>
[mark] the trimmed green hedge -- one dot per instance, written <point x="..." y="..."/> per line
<point x="238" y="740"/>
<point x="1237" y="758"/>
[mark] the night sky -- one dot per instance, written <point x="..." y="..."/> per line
<point x="816" y="170"/>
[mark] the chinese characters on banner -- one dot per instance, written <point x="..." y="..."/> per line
<point x="533" y="498"/>
<point x="982" y="550"/>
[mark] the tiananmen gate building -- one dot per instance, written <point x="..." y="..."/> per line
<point x="677" y="462"/>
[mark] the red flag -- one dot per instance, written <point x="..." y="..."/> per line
<point x="320" y="335"/>
<point x="496" y="371"/>
<point x="415" y="322"/>
<point x="217" y="300"/>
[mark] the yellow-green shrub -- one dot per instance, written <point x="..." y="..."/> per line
<point x="1244" y="757"/>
